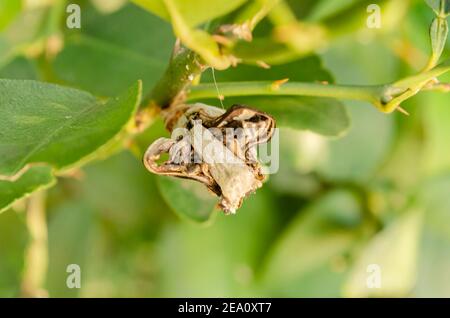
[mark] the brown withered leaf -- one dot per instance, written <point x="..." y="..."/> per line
<point x="215" y="147"/>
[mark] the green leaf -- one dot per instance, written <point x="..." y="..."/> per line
<point x="105" y="57"/>
<point x="188" y="198"/>
<point x="439" y="6"/>
<point x="13" y="241"/>
<point x="321" y="115"/>
<point x="438" y="34"/>
<point x="314" y="245"/>
<point x="194" y="12"/>
<point x="324" y="116"/>
<point x="32" y="180"/>
<point x="60" y="126"/>
<point x="394" y="251"/>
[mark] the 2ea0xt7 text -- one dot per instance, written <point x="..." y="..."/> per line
<point x="225" y="307"/>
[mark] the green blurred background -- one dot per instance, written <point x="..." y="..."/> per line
<point x="380" y="194"/>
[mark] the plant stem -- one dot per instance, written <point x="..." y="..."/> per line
<point x="424" y="77"/>
<point x="412" y="85"/>
<point x="184" y="66"/>
<point x="363" y="93"/>
<point x="385" y="98"/>
<point x="36" y="260"/>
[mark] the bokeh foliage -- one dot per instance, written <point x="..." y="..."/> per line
<point x="355" y="187"/>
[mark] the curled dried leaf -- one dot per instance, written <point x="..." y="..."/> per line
<point x="215" y="147"/>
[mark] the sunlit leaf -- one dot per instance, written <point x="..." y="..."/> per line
<point x="33" y="179"/>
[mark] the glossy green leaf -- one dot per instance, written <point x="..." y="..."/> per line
<point x="104" y="57"/>
<point x="324" y="116"/>
<point x="32" y="180"/>
<point x="188" y="198"/>
<point x="57" y="125"/>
